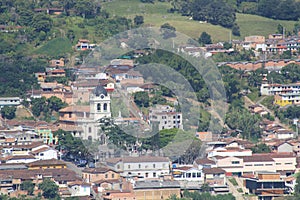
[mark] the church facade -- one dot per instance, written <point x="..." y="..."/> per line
<point x="83" y="120"/>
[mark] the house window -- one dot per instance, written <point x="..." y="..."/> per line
<point x="118" y="166"/>
<point x="105" y="107"/>
<point x="98" y="107"/>
<point x="154" y="174"/>
<point x="194" y="175"/>
<point x="70" y="115"/>
<point x="128" y="166"/>
<point x="235" y="162"/>
<point x="139" y="166"/>
<point x="153" y="165"/>
<point x="106" y="175"/>
<point x="146" y="175"/>
<point x="112" y="175"/>
<point x="90" y="129"/>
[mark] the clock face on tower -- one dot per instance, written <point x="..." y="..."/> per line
<point x="102" y="96"/>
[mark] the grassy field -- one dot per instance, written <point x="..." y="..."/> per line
<point x="257" y="25"/>
<point x="156" y="15"/>
<point x="55" y="47"/>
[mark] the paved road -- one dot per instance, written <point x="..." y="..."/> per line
<point x="74" y="168"/>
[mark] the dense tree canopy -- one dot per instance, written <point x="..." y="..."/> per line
<point x="8" y="112"/>
<point x="279" y="9"/>
<point x="204" y="38"/>
<point x="27" y="185"/>
<point x="141" y="99"/>
<point x="49" y="188"/>
<point x="212" y="11"/>
<point x="71" y="146"/>
<point x="138" y="20"/>
<point x="182" y="66"/>
<point x="168" y="31"/>
<point x="17" y="76"/>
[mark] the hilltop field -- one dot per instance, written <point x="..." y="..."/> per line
<point x="154" y="15"/>
<point x="157" y="14"/>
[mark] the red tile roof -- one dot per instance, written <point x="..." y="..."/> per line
<point x="46" y="163"/>
<point x="214" y="170"/>
<point x="97" y="170"/>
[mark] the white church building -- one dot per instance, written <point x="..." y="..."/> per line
<point x="83" y="120"/>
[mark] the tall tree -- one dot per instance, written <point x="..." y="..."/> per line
<point x="55" y="103"/>
<point x="168" y="31"/>
<point x="27" y="185"/>
<point x="138" y="20"/>
<point x="141" y="99"/>
<point x="49" y="188"/>
<point x="8" y="112"/>
<point x="204" y="38"/>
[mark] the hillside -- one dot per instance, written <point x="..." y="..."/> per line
<point x="156" y="15"/>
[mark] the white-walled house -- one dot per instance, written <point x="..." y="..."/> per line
<point x="148" y="167"/>
<point x="201" y="163"/>
<point x="284" y="163"/>
<point x="45" y="153"/>
<point x="79" y="189"/>
<point x="229" y="151"/>
<point x="188" y="173"/>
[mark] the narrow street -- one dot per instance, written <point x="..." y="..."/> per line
<point x="74" y="168"/>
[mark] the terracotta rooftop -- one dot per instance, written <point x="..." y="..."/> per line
<point x="97" y="170"/>
<point x="58" y="174"/>
<point x="46" y="163"/>
<point x="214" y="170"/>
<point x="77" y="109"/>
<point x="18" y="157"/>
<point x="107" y="181"/>
<point x="204" y="161"/>
<point x="257" y="158"/>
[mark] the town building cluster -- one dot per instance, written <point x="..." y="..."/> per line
<point x="29" y="148"/>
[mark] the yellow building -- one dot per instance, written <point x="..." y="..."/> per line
<point x="282" y="100"/>
<point x="47" y="135"/>
<point x="47" y="164"/>
<point x="91" y="175"/>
